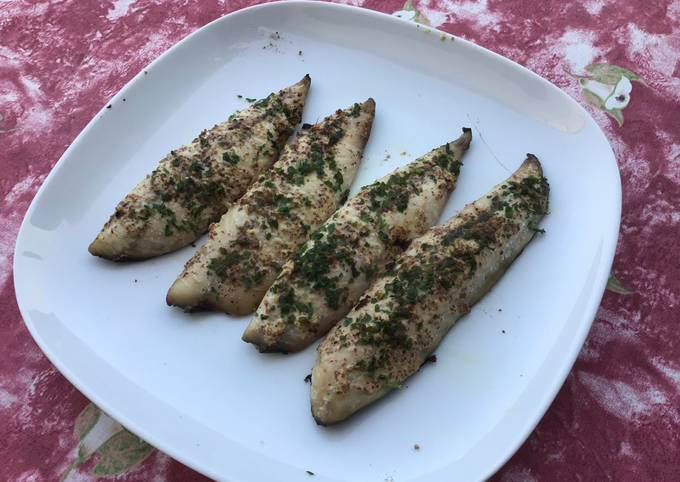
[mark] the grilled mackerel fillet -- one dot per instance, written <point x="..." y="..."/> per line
<point x="195" y="184"/>
<point x="246" y="249"/>
<point x="405" y="314"/>
<point x="325" y="279"/>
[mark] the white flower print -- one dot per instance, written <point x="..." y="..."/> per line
<point x="410" y="12"/>
<point x="608" y="87"/>
<point x="620" y="96"/>
<point x="405" y="14"/>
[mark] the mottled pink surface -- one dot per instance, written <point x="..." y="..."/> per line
<point x="617" y="416"/>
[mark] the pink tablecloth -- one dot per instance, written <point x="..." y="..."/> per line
<point x="617" y="416"/>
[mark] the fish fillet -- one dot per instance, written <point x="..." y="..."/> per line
<point x="195" y="184"/>
<point x="405" y="314"/>
<point x="332" y="270"/>
<point x="247" y="248"/>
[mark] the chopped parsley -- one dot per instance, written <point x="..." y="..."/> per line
<point x="225" y="266"/>
<point x="313" y="265"/>
<point x="448" y="161"/>
<point x="438" y="271"/>
<point x="392" y="194"/>
<point x="529" y="194"/>
<point x="376" y="331"/>
<point x="283" y="204"/>
<point x="222" y="265"/>
<point x="203" y="140"/>
<point x="356" y="110"/>
<point x="231" y="157"/>
<point x="289" y="304"/>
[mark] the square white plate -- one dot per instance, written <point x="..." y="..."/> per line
<point x="191" y="387"/>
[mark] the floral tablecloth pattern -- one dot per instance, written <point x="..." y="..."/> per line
<point x="617" y="416"/>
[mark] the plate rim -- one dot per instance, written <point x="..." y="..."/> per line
<point x="171" y="448"/>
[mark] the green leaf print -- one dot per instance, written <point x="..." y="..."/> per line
<point x="115" y="449"/>
<point x="86" y="420"/>
<point x="83" y="424"/>
<point x="616" y="114"/>
<point x="610" y="74"/>
<point x="608" y="88"/>
<point x="615" y="285"/>
<point x="593" y="100"/>
<point x="120" y="453"/>
<point x="408" y="6"/>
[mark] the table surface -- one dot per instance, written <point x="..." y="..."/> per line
<point x="617" y="417"/>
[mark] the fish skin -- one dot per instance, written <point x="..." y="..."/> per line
<point x="359" y="254"/>
<point x="194" y="185"/>
<point x="404" y="315"/>
<point x="246" y="249"/>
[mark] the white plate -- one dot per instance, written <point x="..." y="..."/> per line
<point x="188" y="385"/>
